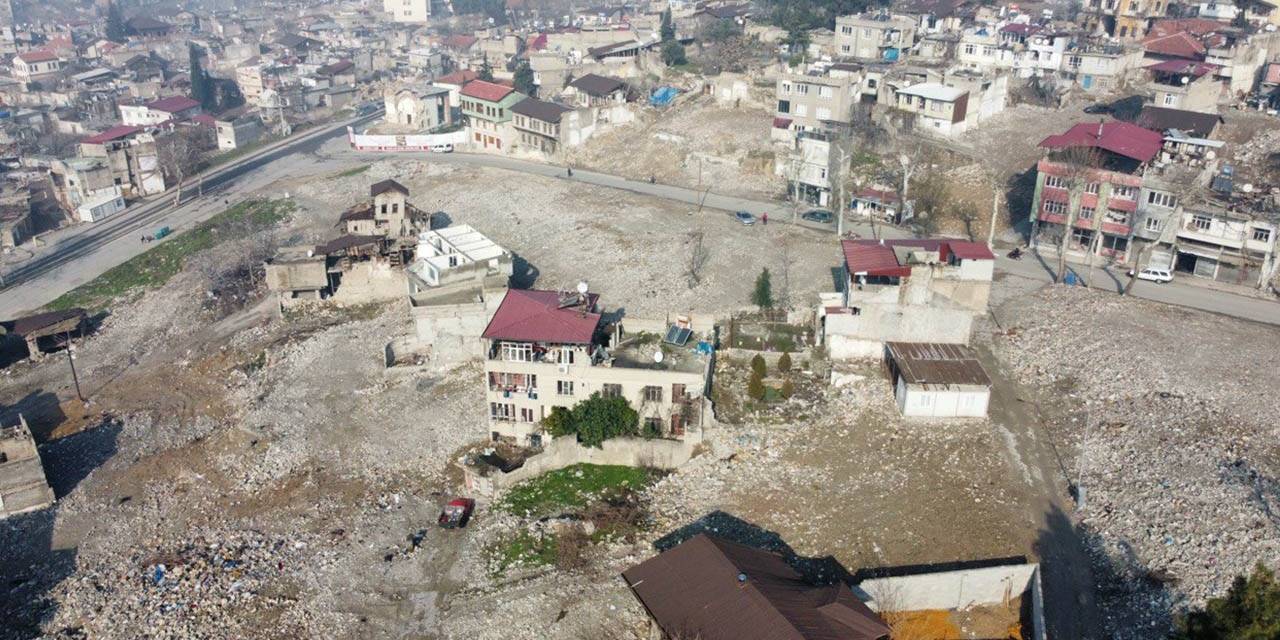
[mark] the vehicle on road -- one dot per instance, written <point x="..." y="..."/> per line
<point x="457" y="513"/>
<point x="818" y="215"/>
<point x="1154" y="275"/>
<point x="441" y="148"/>
<point x="162" y="232"/>
<point x="745" y="217"/>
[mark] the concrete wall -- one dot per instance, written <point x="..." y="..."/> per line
<point x="565" y="452"/>
<point x="369" y="282"/>
<point x="951" y="590"/>
<point x="849" y="336"/>
<point x="404" y="143"/>
<point x="929" y="401"/>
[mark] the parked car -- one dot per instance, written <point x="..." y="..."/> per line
<point x="441" y="148"/>
<point x="1155" y="275"/>
<point x="457" y="513"/>
<point x="819" y="215"/>
<point x="745" y="217"/>
<point x="1098" y="109"/>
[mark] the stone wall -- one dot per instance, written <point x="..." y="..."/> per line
<point x="958" y="590"/>
<point x="566" y="452"/>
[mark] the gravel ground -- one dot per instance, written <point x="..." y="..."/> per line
<point x="1171" y="414"/>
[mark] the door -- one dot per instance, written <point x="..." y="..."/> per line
<point x="1087" y="82"/>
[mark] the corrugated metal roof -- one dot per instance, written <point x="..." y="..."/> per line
<point x="937" y="363"/>
<point x="1121" y="138"/>
<point x="531" y="315"/>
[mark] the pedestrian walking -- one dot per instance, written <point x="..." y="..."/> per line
<point x="570" y="170"/>
<point x="765" y="219"/>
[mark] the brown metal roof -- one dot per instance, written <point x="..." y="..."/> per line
<point x="713" y="589"/>
<point x="937" y="363"/>
<point x="34" y="323"/>
<point x="540" y="109"/>
<point x="387" y="185"/>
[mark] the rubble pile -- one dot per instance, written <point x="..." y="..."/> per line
<point x="1172" y="415"/>
<point x="220" y="580"/>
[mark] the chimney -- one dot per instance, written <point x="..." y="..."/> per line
<point x="1099" y="128"/>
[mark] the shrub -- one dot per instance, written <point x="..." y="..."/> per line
<point x="1250" y="609"/>
<point x="598" y="418"/>
<point x="788" y="389"/>
<point x="559" y="422"/>
<point x="758" y="366"/>
<point x="755" y="387"/>
<point x="784" y="363"/>
<point x="762" y="294"/>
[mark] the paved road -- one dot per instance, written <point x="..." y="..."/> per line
<point x="76" y="255"/>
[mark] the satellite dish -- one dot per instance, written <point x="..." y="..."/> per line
<point x="657" y="356"/>
<point x="1247" y="188"/>
<point x="582" y="287"/>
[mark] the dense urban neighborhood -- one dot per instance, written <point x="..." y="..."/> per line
<point x="657" y="320"/>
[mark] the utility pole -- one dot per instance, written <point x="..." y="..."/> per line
<point x="995" y="211"/>
<point x="71" y="360"/>
<point x="840" y="202"/>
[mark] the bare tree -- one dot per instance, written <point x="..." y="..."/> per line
<point x="697" y="259"/>
<point x="1079" y="166"/>
<point x="179" y="154"/>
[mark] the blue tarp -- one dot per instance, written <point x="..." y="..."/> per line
<point x="663" y="96"/>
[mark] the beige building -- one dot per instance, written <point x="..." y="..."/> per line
<point x="422" y="109"/>
<point x="807" y="100"/>
<point x="546" y="349"/>
<point x="387" y="213"/>
<point x="1185" y="85"/>
<point x="878" y="36"/>
<point x="408" y="11"/>
<point x="36" y="65"/>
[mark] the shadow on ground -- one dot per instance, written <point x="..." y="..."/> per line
<point x="816" y="570"/>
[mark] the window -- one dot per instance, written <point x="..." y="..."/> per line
<point x="611" y="390"/>
<point x="1170" y="99"/>
<point x="1116" y="244"/>
<point x="844" y="48"/>
<point x="1093" y="187"/>
<point x="653" y="425"/>
<point x="526" y="415"/>
<point x="1123" y="192"/>
<point x="1054" y="207"/>
<point x="1116" y="216"/>
<point x="1201" y="223"/>
<point x="847" y="30"/>
<point x="652" y="394"/>
<point x="824" y="92"/>
<point x="502" y="411"/>
<point x="1153" y="224"/>
<point x="784" y="106"/>
<point x="517" y="351"/>
<point x="564" y="355"/>
<point x="987" y="52"/>
<point x="1074" y="62"/>
<point x="1161" y="199"/>
<point x="802" y="89"/>
<point x="802" y="110"/>
<point x="822" y="113"/>
<point x="970" y="49"/>
<point x="1086" y="213"/>
<point x="1261" y="235"/>
<point x="564" y="387"/>
<point x="1082" y="237"/>
<point x="1055" y="182"/>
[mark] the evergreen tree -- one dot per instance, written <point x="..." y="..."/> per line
<point x="755" y="387"/>
<point x="486" y="71"/>
<point x="758" y="366"/>
<point x="673" y="54"/>
<point x="117" y="31"/>
<point x="524" y="79"/>
<point x="784" y="363"/>
<point x="668" y="29"/>
<point x="202" y="89"/>
<point x="1249" y="611"/>
<point x="762" y="296"/>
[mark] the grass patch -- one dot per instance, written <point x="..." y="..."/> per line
<point x="524" y="550"/>
<point x="573" y="488"/>
<point x="157" y="265"/>
<point x="353" y="171"/>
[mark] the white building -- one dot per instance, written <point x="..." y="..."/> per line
<point x="158" y="111"/>
<point x="933" y="380"/>
<point x="101" y="206"/>
<point x="36" y="65"/>
<point x="456" y="249"/>
<point x="410" y="11"/>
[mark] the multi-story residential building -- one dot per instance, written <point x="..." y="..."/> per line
<point x="874" y="36"/>
<point x="592" y="90"/>
<point x="948" y="103"/>
<point x="1099" y="66"/>
<point x="808" y="167"/>
<point x="1185" y="85"/>
<point x="1240" y="59"/>
<point x="237" y="128"/>
<point x="487" y="106"/>
<point x="547" y="349"/>
<point x="36" y="65"/>
<point x="386" y="213"/>
<point x="172" y="108"/>
<point x="130" y="152"/>
<point x="1027" y="51"/>
<point x="806" y="102"/>
<point x="1088" y="187"/>
<point x="538" y="125"/>
<point x="1124" y="19"/>
<point x="408" y="11"/>
<point x="1218" y="241"/>
<point x="455" y="284"/>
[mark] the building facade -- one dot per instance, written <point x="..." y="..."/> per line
<point x="487" y="107"/>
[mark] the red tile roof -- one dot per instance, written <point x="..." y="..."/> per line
<point x="1194" y="26"/>
<point x="877" y="257"/>
<point x="886" y="196"/>
<point x="489" y="91"/>
<point x="1189" y="67"/>
<point x="173" y="104"/>
<point x="459" y="42"/>
<point x="538" y="43"/>
<point x="457" y="77"/>
<point x="530" y="315"/>
<point x="1272" y="76"/>
<point x="39" y="55"/>
<point x="1178" y="45"/>
<point x="114" y="133"/>
<point x="1121" y="138"/>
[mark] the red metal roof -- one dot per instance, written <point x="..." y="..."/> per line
<point x="531" y="315"/>
<point x="1179" y="45"/>
<point x="457" y="77"/>
<point x="39" y="55"/>
<point x="1194" y="26"/>
<point x="114" y="133"/>
<point x="173" y="104"/>
<point x="883" y="196"/>
<point x="1189" y="67"/>
<point x="459" y="41"/>
<point x="1121" y="138"/>
<point x="877" y="257"/>
<point x="538" y="43"/>
<point x="1272" y="76"/>
<point x="488" y="91"/>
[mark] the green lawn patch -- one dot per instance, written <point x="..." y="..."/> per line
<point x="573" y="488"/>
<point x="524" y="550"/>
<point x="353" y="171"/>
<point x="154" y="267"/>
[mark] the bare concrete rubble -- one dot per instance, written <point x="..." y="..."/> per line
<point x="1171" y="417"/>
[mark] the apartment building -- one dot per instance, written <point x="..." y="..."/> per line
<point x="546" y="349"/>
<point x="1029" y="52"/>
<point x="808" y="167"/>
<point x="806" y="101"/>
<point x="159" y="111"/>
<point x="875" y="36"/>
<point x="537" y="125"/>
<point x="1220" y="241"/>
<point x="1123" y="19"/>
<point x="1185" y="85"/>
<point x="408" y="11"/>
<point x="487" y="107"/>
<point x="1088" y="187"/>
<point x="1099" y="66"/>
